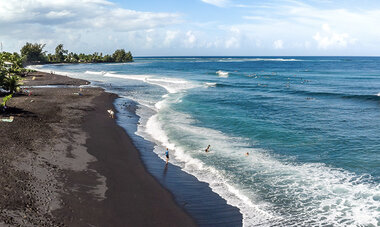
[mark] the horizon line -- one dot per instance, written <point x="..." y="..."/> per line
<point x="180" y="56"/>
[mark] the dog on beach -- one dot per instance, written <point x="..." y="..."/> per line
<point x="110" y="111"/>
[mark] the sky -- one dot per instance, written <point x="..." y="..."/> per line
<point x="195" y="27"/>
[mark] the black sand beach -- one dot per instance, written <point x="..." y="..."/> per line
<point x="65" y="162"/>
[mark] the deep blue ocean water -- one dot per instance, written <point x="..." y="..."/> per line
<point x="310" y="125"/>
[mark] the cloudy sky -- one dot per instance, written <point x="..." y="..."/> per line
<point x="195" y="27"/>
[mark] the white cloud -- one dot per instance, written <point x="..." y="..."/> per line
<point x="84" y="24"/>
<point x="59" y="14"/>
<point x="299" y="26"/>
<point x="170" y="37"/>
<point x="330" y="39"/>
<point x="278" y="44"/>
<point x="89" y="19"/>
<point x="218" y="3"/>
<point x="190" y="39"/>
<point x="81" y="14"/>
<point x="232" y="42"/>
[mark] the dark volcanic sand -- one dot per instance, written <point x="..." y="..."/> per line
<point x="65" y="162"/>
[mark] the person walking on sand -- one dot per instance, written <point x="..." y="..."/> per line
<point x="207" y="149"/>
<point x="110" y="111"/>
<point x="167" y="155"/>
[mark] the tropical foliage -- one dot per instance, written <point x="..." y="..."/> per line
<point x="121" y="56"/>
<point x="33" y="53"/>
<point x="11" y="64"/>
<point x="10" y="71"/>
<point x="5" y="100"/>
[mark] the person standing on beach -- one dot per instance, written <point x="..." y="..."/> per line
<point x="167" y="155"/>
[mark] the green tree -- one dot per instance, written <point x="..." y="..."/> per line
<point x="60" y="53"/>
<point x="33" y="53"/>
<point x="76" y="57"/>
<point x="121" y="56"/>
<point x="11" y="83"/>
<point x="107" y="58"/>
<point x="10" y="68"/>
<point x="50" y="57"/>
<point x="129" y="56"/>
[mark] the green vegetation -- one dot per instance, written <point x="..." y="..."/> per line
<point x="10" y="71"/>
<point x="11" y="65"/>
<point x="5" y="100"/>
<point x="121" y="56"/>
<point x="34" y="54"/>
<point x="12" y="84"/>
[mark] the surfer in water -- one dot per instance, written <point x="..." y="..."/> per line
<point x="207" y="149"/>
<point x="167" y="155"/>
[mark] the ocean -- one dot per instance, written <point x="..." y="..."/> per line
<point x="310" y="127"/>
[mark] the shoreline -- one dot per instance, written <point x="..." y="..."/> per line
<point x="195" y="196"/>
<point x="68" y="161"/>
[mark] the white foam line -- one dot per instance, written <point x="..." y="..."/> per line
<point x="259" y="59"/>
<point x="222" y="74"/>
<point x="172" y="85"/>
<point x="207" y="84"/>
<point x="251" y="213"/>
<point x="304" y="181"/>
<point x="343" y="199"/>
<point x="95" y="72"/>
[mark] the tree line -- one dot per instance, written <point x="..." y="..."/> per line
<point x="34" y="54"/>
<point x="12" y="64"/>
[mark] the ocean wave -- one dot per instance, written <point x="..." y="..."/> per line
<point x="209" y="84"/>
<point x="42" y="68"/>
<point x="95" y="72"/>
<point x="269" y="192"/>
<point x="222" y="74"/>
<point x="320" y="195"/>
<point x="253" y="213"/>
<point x="258" y="59"/>
<point x="172" y="85"/>
<point x="339" y="95"/>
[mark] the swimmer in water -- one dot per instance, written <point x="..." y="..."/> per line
<point x="207" y="149"/>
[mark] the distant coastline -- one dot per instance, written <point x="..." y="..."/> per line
<point x="32" y="54"/>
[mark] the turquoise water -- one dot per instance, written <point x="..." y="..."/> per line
<point x="310" y="125"/>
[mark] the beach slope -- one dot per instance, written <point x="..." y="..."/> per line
<point x="65" y="162"/>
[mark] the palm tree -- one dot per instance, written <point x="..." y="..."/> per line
<point x="11" y="83"/>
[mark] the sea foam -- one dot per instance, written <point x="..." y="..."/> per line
<point x="325" y="195"/>
<point x="95" y="72"/>
<point x="172" y="85"/>
<point x="309" y="193"/>
<point x="210" y="84"/>
<point x="152" y="129"/>
<point x="222" y="73"/>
